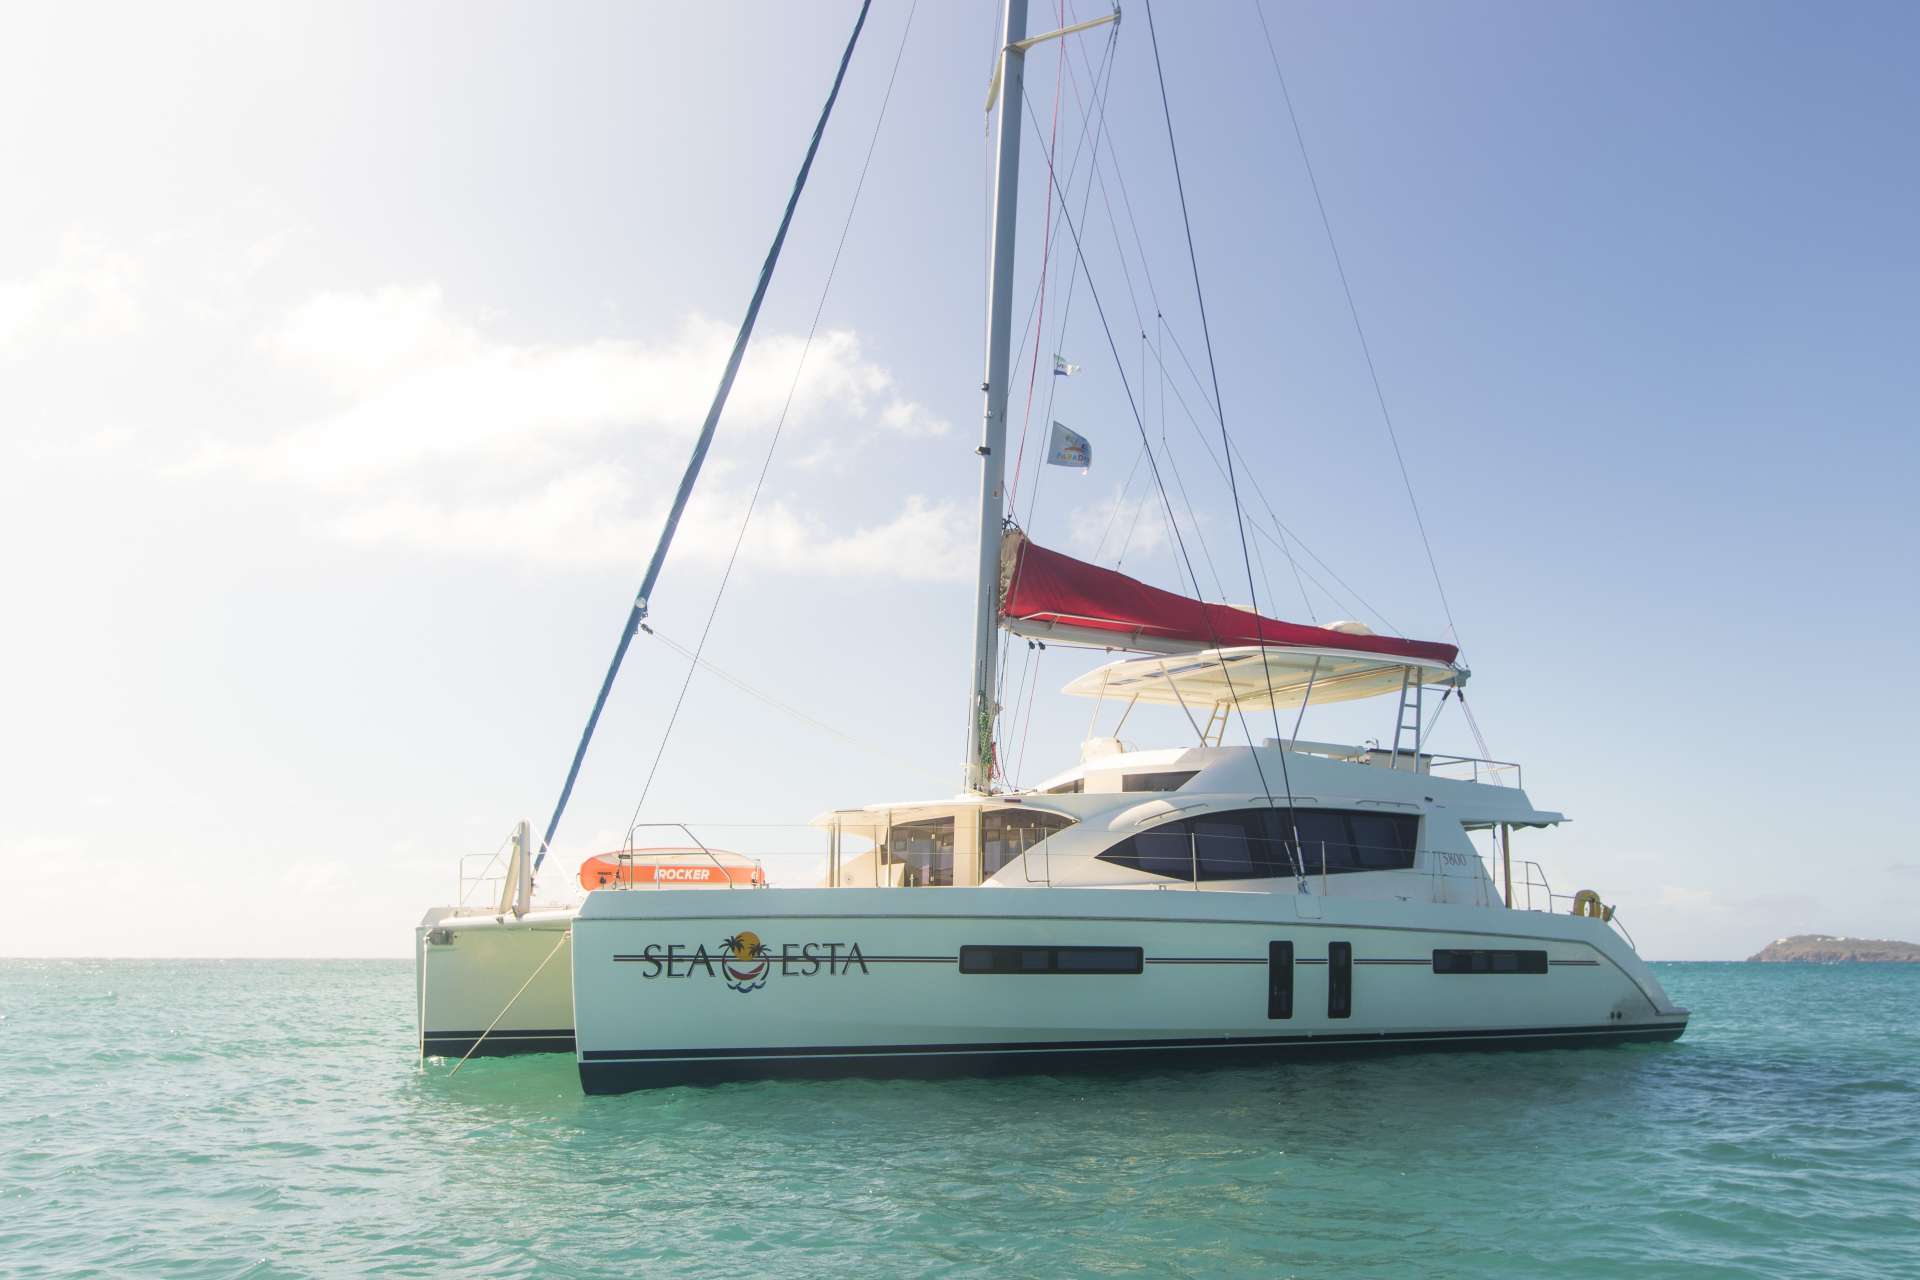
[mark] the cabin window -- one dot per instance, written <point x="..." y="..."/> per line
<point x="1383" y="841"/>
<point x="1354" y="839"/>
<point x="1073" y="788"/>
<point x="925" y="849"/>
<point x="1254" y="844"/>
<point x="989" y="959"/>
<point x="1005" y="834"/>
<point x="1456" y="961"/>
<point x="1339" y="979"/>
<point x="1165" y="850"/>
<point x="1223" y="847"/>
<point x="1157" y="781"/>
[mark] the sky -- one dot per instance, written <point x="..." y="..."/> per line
<point x="349" y="355"/>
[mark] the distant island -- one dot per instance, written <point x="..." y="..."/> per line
<point x="1823" y="948"/>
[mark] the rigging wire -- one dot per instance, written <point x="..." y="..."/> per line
<point x="870" y="748"/>
<point x="780" y="424"/>
<point x="1353" y="309"/>
<point x="1089" y="142"/>
<point x="1113" y="515"/>
<point x="1283" y="537"/>
<point x="1226" y="446"/>
<point x="1034" y="331"/>
<point x="1153" y="294"/>
<point x="1113" y="348"/>
<point x="637" y="614"/>
<point x="1046" y="258"/>
<point x="1173" y="528"/>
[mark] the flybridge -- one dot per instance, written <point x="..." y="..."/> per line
<point x="1047" y="595"/>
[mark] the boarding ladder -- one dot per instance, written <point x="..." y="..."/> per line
<point x="1406" y="731"/>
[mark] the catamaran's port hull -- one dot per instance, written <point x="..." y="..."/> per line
<point x="513" y="974"/>
<point x="683" y="988"/>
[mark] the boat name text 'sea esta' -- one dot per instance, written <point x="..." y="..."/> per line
<point x="745" y="962"/>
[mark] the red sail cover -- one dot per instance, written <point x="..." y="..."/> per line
<point x="1046" y="587"/>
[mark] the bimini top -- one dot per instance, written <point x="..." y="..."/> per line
<point x="1050" y="596"/>
<point x="1252" y="676"/>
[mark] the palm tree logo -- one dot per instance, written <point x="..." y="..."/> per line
<point x="745" y="963"/>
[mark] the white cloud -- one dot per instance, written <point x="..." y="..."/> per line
<point x="76" y="445"/>
<point x="911" y="419"/>
<point x="450" y="439"/>
<point x="87" y="292"/>
<point x="1100" y="529"/>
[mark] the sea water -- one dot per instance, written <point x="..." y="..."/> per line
<point x="251" y="1118"/>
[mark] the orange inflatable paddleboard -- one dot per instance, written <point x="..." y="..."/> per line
<point x="670" y="868"/>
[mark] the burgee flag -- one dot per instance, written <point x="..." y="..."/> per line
<point x="1069" y="449"/>
<point x="1061" y="369"/>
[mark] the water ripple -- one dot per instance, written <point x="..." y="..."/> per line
<point x="269" y="1119"/>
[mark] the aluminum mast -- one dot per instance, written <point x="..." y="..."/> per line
<point x="993" y="435"/>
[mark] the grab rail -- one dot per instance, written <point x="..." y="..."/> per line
<point x="626" y="855"/>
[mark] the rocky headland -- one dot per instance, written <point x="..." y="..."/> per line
<point x="1824" y="948"/>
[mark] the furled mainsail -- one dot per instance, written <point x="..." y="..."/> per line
<point x="1044" y="593"/>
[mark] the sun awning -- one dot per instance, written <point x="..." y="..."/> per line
<point x="1047" y="595"/>
<point x="1252" y="676"/>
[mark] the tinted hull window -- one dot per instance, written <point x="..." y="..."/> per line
<point x="1051" y="960"/>
<point x="1279" y="979"/>
<point x="1456" y="961"/>
<point x="1156" y="781"/>
<point x="1339" y="979"/>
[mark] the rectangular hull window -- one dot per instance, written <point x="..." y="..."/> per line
<point x="1339" y="979"/>
<point x="1156" y="781"/>
<point x="1051" y="960"/>
<point x="1279" y="979"/>
<point x="1489" y="961"/>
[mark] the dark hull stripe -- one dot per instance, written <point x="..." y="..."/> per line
<point x="1412" y="960"/>
<point x="498" y="1044"/>
<point x="618" y="1071"/>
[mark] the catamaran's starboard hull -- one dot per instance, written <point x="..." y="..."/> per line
<point x="677" y="988"/>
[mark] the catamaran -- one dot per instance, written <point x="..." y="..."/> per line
<point x="1185" y="905"/>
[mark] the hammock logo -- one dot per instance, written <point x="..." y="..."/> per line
<point x="745" y="964"/>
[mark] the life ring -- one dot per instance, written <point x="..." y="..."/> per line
<point x="1587" y="903"/>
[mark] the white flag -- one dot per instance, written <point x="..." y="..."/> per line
<point x="1061" y="369"/>
<point x="1069" y="449"/>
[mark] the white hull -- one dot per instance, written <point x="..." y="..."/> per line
<point x="467" y="971"/>
<point x="869" y="981"/>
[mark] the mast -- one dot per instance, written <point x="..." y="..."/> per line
<point x="993" y="434"/>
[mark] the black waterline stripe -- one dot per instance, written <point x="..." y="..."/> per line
<point x="1206" y="959"/>
<point x="1071" y="1046"/>
<point x="497" y="1035"/>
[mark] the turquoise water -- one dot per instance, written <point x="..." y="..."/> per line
<point x="251" y="1118"/>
